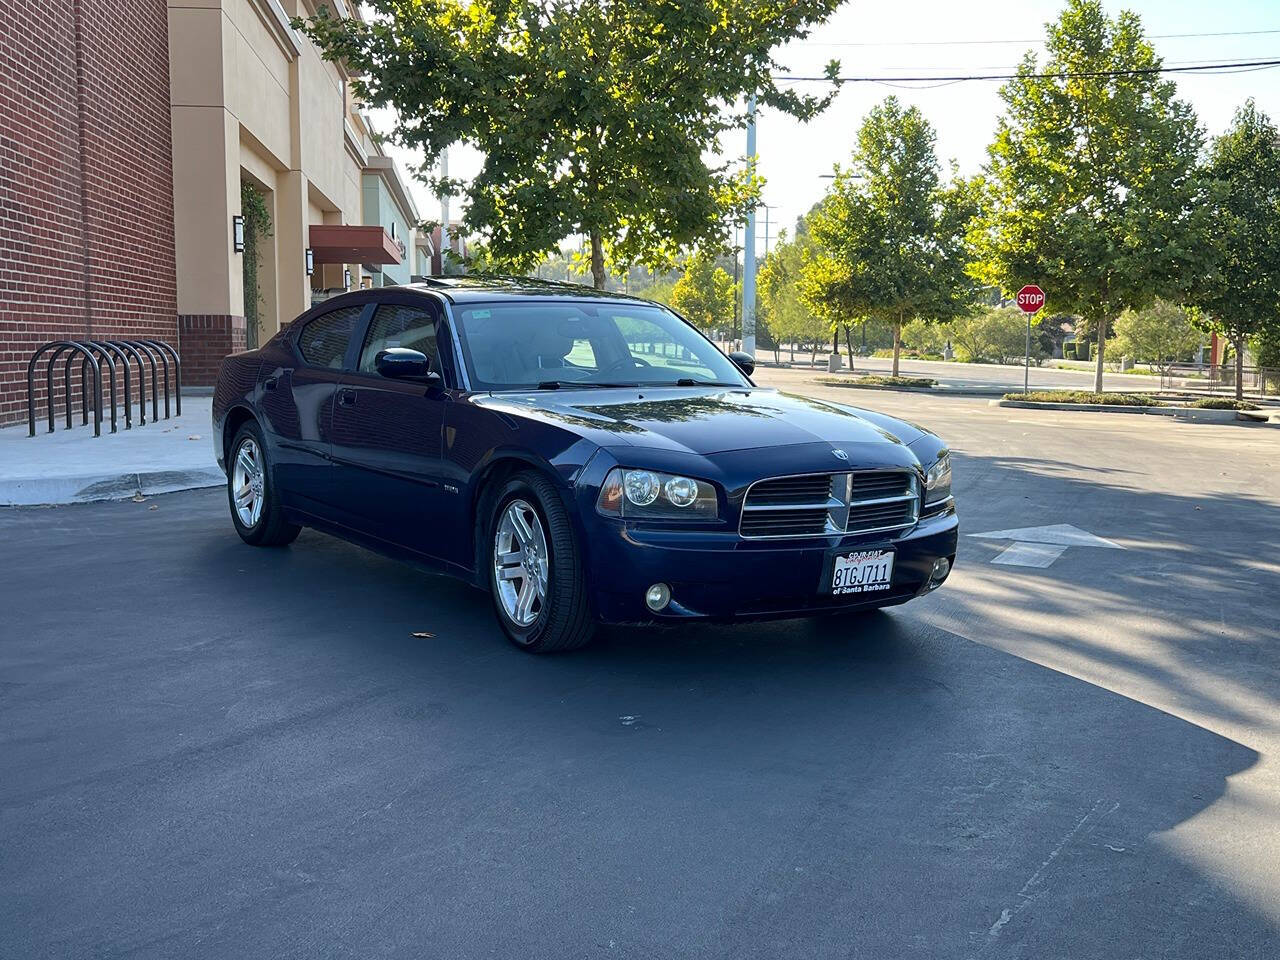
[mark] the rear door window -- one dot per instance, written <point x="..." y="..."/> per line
<point x="324" y="340"/>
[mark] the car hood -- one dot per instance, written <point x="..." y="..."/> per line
<point x="703" y="421"/>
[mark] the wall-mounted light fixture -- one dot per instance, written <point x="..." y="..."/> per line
<point x="311" y="261"/>
<point x="346" y="279"/>
<point x="237" y="233"/>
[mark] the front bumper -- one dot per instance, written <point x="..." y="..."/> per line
<point x="719" y="576"/>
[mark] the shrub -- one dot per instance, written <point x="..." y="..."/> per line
<point x="1222" y="403"/>
<point x="1069" y="350"/>
<point x="1087" y="396"/>
<point x="879" y="381"/>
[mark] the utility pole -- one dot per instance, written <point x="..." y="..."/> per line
<point x="444" y="214"/>
<point x="749" y="246"/>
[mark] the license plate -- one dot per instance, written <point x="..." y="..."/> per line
<point x="863" y="572"/>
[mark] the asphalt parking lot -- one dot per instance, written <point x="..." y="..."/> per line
<point x="208" y="750"/>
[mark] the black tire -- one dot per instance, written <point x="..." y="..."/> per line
<point x="270" y="529"/>
<point x="564" y="622"/>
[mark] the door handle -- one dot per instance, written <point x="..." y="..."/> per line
<point x="347" y="397"/>
<point x="270" y="383"/>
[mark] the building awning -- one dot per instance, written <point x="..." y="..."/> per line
<point x="351" y="243"/>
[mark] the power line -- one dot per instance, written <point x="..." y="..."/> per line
<point x="976" y="43"/>
<point x="1081" y="75"/>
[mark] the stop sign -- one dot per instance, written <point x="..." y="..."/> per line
<point x="1030" y="298"/>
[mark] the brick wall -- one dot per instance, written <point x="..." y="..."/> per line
<point x="86" y="180"/>
<point x="206" y="339"/>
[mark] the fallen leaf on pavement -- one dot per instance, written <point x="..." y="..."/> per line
<point x="139" y="498"/>
<point x="154" y="506"/>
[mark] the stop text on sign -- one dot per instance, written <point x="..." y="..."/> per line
<point x="1030" y="298"/>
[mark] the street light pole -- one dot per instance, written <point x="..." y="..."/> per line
<point x="749" y="246"/>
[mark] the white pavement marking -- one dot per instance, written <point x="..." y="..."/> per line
<point x="1030" y="554"/>
<point x="1061" y="533"/>
<point x="1040" y="546"/>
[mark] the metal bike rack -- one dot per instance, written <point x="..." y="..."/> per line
<point x="105" y="357"/>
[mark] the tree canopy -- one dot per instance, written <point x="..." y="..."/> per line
<point x="1092" y="186"/>
<point x="785" y="313"/>
<point x="704" y="295"/>
<point x="1240" y="295"/>
<point x="890" y="235"/>
<point x="594" y="118"/>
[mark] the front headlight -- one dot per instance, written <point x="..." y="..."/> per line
<point x="651" y="495"/>
<point x="937" y="482"/>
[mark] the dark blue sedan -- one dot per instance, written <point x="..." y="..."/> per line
<point x="583" y="457"/>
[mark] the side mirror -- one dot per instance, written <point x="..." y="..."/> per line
<point x="743" y="361"/>
<point x="401" y="363"/>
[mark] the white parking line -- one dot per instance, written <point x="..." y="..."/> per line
<point x="1030" y="554"/>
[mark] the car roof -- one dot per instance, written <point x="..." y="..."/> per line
<point x="481" y="288"/>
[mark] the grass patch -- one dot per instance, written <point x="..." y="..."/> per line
<point x="1222" y="403"/>
<point x="876" y="380"/>
<point x="1087" y="396"/>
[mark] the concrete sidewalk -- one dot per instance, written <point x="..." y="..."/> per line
<point x="74" y="466"/>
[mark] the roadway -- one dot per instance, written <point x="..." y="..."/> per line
<point x="208" y="750"/>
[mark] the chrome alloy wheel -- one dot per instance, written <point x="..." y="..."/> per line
<point x="520" y="563"/>
<point x="248" y="482"/>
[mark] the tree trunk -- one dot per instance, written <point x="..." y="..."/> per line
<point x="848" y="344"/>
<point x="1102" y="344"/>
<point x="1238" y="344"/>
<point x="897" y="343"/>
<point x="792" y="345"/>
<point x="598" y="276"/>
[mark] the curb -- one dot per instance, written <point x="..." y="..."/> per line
<point x="51" y="491"/>
<point x="1182" y="413"/>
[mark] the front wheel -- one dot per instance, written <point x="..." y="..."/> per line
<point x="535" y="569"/>
<point x="255" y="508"/>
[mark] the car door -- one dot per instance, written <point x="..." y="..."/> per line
<point x="297" y="398"/>
<point x="388" y="434"/>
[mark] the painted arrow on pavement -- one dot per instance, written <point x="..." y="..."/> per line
<point x="1040" y="546"/>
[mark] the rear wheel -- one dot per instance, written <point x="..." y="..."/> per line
<point x="535" y="569"/>
<point x="255" y="508"/>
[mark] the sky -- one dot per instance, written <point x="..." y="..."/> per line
<point x="939" y="37"/>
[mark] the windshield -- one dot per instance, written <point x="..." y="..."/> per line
<point x="550" y="344"/>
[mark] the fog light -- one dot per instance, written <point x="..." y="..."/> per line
<point x="941" y="567"/>
<point x="657" y="596"/>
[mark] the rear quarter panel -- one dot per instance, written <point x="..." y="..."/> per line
<point x="236" y="386"/>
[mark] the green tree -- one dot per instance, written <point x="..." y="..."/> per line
<point x="1160" y="334"/>
<point x="784" y="311"/>
<point x="594" y="118"/>
<point x="993" y="335"/>
<point x="704" y="295"/>
<point x="1091" y="180"/>
<point x="1240" y="297"/>
<point x="889" y="233"/>
<point x="926" y="337"/>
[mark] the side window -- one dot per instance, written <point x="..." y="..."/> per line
<point x="323" y="341"/>
<point x="395" y="325"/>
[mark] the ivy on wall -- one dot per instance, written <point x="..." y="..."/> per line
<point x="257" y="227"/>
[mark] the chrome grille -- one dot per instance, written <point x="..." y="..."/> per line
<point x="822" y="504"/>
